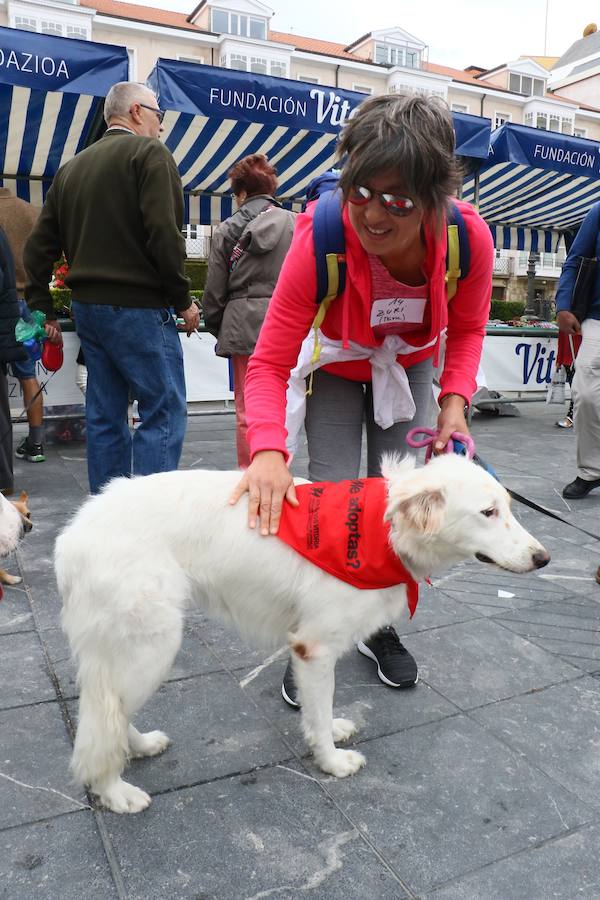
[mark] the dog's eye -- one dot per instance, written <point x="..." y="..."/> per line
<point x="488" y="513"/>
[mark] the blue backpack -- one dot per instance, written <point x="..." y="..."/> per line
<point x="330" y="246"/>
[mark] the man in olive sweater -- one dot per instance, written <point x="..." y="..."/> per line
<point x="116" y="210"/>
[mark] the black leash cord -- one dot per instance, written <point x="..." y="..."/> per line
<point x="548" y="512"/>
<point x="31" y="402"/>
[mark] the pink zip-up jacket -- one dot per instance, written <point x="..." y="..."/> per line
<point x="293" y="308"/>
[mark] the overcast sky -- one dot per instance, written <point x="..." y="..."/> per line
<point x="458" y="32"/>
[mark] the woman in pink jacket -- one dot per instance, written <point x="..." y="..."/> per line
<point x="399" y="173"/>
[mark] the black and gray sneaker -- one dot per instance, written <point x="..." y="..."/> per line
<point x="289" y="691"/>
<point x="30" y="452"/>
<point x="396" y="667"/>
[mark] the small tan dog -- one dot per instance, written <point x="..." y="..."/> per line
<point x="21" y="505"/>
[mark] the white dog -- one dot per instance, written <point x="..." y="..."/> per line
<point x="136" y="556"/>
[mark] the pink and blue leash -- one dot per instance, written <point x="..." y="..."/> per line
<point x="464" y="445"/>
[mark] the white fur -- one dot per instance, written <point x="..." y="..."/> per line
<point x="136" y="556"/>
<point x="11" y="529"/>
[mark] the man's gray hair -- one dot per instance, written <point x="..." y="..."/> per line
<point x="121" y="96"/>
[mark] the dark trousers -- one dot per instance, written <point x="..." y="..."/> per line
<point x="6" y="449"/>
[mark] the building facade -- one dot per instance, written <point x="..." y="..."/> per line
<point x="555" y="94"/>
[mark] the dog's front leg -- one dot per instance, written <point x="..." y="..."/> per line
<point x="314" y="676"/>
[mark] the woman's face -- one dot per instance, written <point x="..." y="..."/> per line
<point x="380" y="231"/>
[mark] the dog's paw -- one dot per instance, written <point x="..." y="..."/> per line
<point x="343" y="729"/>
<point x="342" y="763"/>
<point x="149" y="744"/>
<point x="122" y="797"/>
<point x="10" y="579"/>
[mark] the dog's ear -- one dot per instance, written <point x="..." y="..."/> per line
<point x="24" y="497"/>
<point x="424" y="512"/>
<point x="394" y="465"/>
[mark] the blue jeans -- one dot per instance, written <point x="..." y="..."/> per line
<point x="133" y="352"/>
<point x="23" y="368"/>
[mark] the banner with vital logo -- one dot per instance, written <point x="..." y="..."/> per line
<point x="217" y="116"/>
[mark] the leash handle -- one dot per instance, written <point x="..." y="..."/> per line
<point x="457" y="443"/>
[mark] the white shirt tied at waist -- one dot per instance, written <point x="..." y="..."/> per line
<point x="392" y="397"/>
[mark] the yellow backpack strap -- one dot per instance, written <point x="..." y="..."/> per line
<point x="452" y="261"/>
<point x="333" y="261"/>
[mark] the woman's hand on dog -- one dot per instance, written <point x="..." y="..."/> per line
<point x="451" y="418"/>
<point x="268" y="482"/>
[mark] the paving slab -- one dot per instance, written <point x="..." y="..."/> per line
<point x="561" y="869"/>
<point x="34" y="766"/>
<point x="272" y="834"/>
<point x="59" y="858"/>
<point x="449" y="797"/>
<point x="15" y="611"/>
<point x="558" y="729"/>
<point x="23" y="672"/>
<point x="494" y="664"/>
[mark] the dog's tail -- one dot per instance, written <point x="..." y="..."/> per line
<point x="101" y="744"/>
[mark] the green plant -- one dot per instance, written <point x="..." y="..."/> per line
<point x="505" y="310"/>
<point x="61" y="300"/>
<point x="196" y="269"/>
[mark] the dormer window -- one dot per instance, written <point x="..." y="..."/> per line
<point x="526" y="85"/>
<point x="393" y="55"/>
<point x="225" y="22"/>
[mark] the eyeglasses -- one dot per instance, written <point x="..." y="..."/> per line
<point x="160" y="113"/>
<point x="397" y="206"/>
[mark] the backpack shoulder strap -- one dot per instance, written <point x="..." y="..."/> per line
<point x="330" y="258"/>
<point x="458" y="253"/>
<point x="330" y="246"/>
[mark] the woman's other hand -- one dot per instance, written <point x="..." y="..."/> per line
<point x="451" y="418"/>
<point x="268" y="482"/>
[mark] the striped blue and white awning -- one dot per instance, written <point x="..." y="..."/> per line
<point x="43" y="131"/>
<point x="51" y="93"/>
<point x="214" y="208"/>
<point x="536" y="186"/>
<point x="217" y="116"/>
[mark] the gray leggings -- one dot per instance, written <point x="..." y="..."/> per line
<point x="334" y="418"/>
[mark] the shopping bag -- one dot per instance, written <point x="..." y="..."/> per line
<point x="556" y="389"/>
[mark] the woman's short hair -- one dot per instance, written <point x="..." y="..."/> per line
<point x="409" y="135"/>
<point x="253" y="174"/>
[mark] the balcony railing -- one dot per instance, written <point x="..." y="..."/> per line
<point x="547" y="264"/>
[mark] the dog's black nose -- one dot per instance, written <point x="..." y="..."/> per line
<point x="27" y="526"/>
<point x="541" y="558"/>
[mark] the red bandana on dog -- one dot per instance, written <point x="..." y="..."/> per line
<point x="339" y="527"/>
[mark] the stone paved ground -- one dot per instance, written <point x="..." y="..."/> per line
<point x="482" y="783"/>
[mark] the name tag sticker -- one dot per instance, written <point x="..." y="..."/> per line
<point x="397" y="311"/>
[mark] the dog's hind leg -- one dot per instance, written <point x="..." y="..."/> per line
<point x="110" y="694"/>
<point x="101" y="745"/>
<point x="315" y="679"/>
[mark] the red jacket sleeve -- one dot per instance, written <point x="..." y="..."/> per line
<point x="468" y="311"/>
<point x="289" y="316"/>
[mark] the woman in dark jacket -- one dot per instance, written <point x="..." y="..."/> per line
<point x="246" y="255"/>
<point x="10" y="351"/>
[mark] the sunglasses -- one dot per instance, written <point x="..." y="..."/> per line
<point x="397" y="206"/>
<point x="160" y="113"/>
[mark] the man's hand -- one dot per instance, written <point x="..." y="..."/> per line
<point x="191" y="318"/>
<point x="451" y="418"/>
<point x="567" y="322"/>
<point x="269" y="483"/>
<point x="53" y="331"/>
